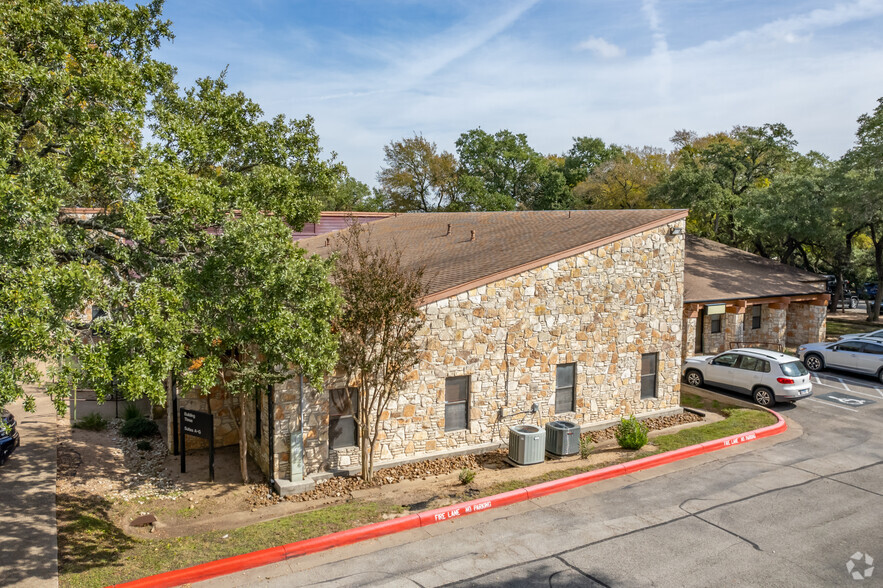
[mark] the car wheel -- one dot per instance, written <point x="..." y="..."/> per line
<point x="764" y="396"/>
<point x="694" y="378"/>
<point x="813" y="362"/>
<point x="880" y="376"/>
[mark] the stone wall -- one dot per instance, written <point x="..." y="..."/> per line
<point x="806" y="323"/>
<point x="224" y="408"/>
<point x="689" y="336"/>
<point x="772" y="325"/>
<point x="600" y="310"/>
<point x="713" y="342"/>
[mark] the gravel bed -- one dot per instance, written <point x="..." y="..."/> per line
<point x="654" y="423"/>
<point x="341" y="487"/>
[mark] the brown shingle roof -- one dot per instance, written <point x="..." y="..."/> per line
<point x="506" y="243"/>
<point x="716" y="272"/>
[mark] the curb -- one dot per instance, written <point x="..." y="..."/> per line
<point x="264" y="557"/>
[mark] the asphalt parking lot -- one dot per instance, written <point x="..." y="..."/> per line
<point x="801" y="509"/>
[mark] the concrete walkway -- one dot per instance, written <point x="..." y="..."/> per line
<point x="28" y="534"/>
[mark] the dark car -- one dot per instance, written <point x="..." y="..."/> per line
<point x="9" y="438"/>
<point x="849" y="298"/>
<point x="871" y="290"/>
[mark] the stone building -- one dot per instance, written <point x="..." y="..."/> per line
<point x="733" y="298"/>
<point x="530" y="317"/>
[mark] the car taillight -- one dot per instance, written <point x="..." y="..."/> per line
<point x="785" y="380"/>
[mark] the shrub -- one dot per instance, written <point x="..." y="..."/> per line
<point x="466" y="476"/>
<point x="91" y="422"/>
<point x="131" y="412"/>
<point x="139" y="427"/>
<point x="144" y="445"/>
<point x="586" y="446"/>
<point x="631" y="434"/>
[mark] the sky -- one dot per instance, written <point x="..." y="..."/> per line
<point x="628" y="71"/>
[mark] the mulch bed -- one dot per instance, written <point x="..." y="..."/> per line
<point x="342" y="486"/>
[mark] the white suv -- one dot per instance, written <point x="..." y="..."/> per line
<point x="768" y="376"/>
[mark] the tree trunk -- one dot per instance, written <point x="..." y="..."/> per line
<point x="243" y="444"/>
<point x="367" y="465"/>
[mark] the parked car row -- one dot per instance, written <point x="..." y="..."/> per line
<point x="768" y="376"/>
<point x="9" y="438"/>
<point x="862" y="355"/>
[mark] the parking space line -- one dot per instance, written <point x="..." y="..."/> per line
<point x="830" y="404"/>
<point x="842" y="383"/>
<point x="862" y="393"/>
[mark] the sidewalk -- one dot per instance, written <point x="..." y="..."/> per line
<point x="28" y="540"/>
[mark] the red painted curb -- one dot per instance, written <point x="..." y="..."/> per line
<point x="238" y="563"/>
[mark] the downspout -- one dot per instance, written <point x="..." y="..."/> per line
<point x="271" y="436"/>
<point x="297" y="437"/>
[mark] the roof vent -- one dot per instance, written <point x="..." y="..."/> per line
<point x="472" y="237"/>
<point x="449" y="230"/>
<point x="327" y="241"/>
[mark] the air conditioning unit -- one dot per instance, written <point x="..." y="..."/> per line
<point x="562" y="438"/>
<point x="527" y="445"/>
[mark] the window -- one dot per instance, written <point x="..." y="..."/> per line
<point x="257" y="414"/>
<point x="456" y="403"/>
<point x="873" y="349"/>
<point x="715" y="323"/>
<point x="755" y="316"/>
<point x="727" y="360"/>
<point x="565" y="376"/>
<point x="754" y="364"/>
<point x="850" y="346"/>
<point x="648" y="375"/>
<point x="342" y="428"/>
<point x="793" y="369"/>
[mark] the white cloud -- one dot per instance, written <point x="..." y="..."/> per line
<point x="477" y="73"/>
<point x="601" y="48"/>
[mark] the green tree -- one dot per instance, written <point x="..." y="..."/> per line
<point x="75" y="98"/>
<point x="377" y="327"/>
<point x="263" y="309"/>
<point x="865" y="165"/>
<point x="504" y="171"/>
<point x="75" y="85"/>
<point x="713" y="173"/>
<point x="584" y="156"/>
<point x="626" y="181"/>
<point x="417" y="177"/>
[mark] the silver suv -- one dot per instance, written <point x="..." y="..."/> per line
<point x="863" y="355"/>
<point x="768" y="376"/>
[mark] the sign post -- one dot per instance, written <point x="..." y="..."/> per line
<point x="202" y="425"/>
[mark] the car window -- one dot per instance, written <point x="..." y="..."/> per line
<point x="727" y="359"/>
<point x="849" y="346"/>
<point x="749" y="363"/>
<point x="873" y="349"/>
<point x="793" y="369"/>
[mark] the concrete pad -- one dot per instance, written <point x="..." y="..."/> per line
<point x="28" y="533"/>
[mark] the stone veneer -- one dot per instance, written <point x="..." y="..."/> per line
<point x="600" y="310"/>
<point x="781" y="323"/>
<point x="806" y="323"/>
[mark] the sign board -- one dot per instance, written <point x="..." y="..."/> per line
<point x="202" y="425"/>
<point x="711" y="309"/>
<point x="197" y="424"/>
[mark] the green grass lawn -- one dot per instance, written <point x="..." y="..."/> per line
<point x="702" y="403"/>
<point x="739" y="420"/>
<point x="837" y="328"/>
<point x="96" y="553"/>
